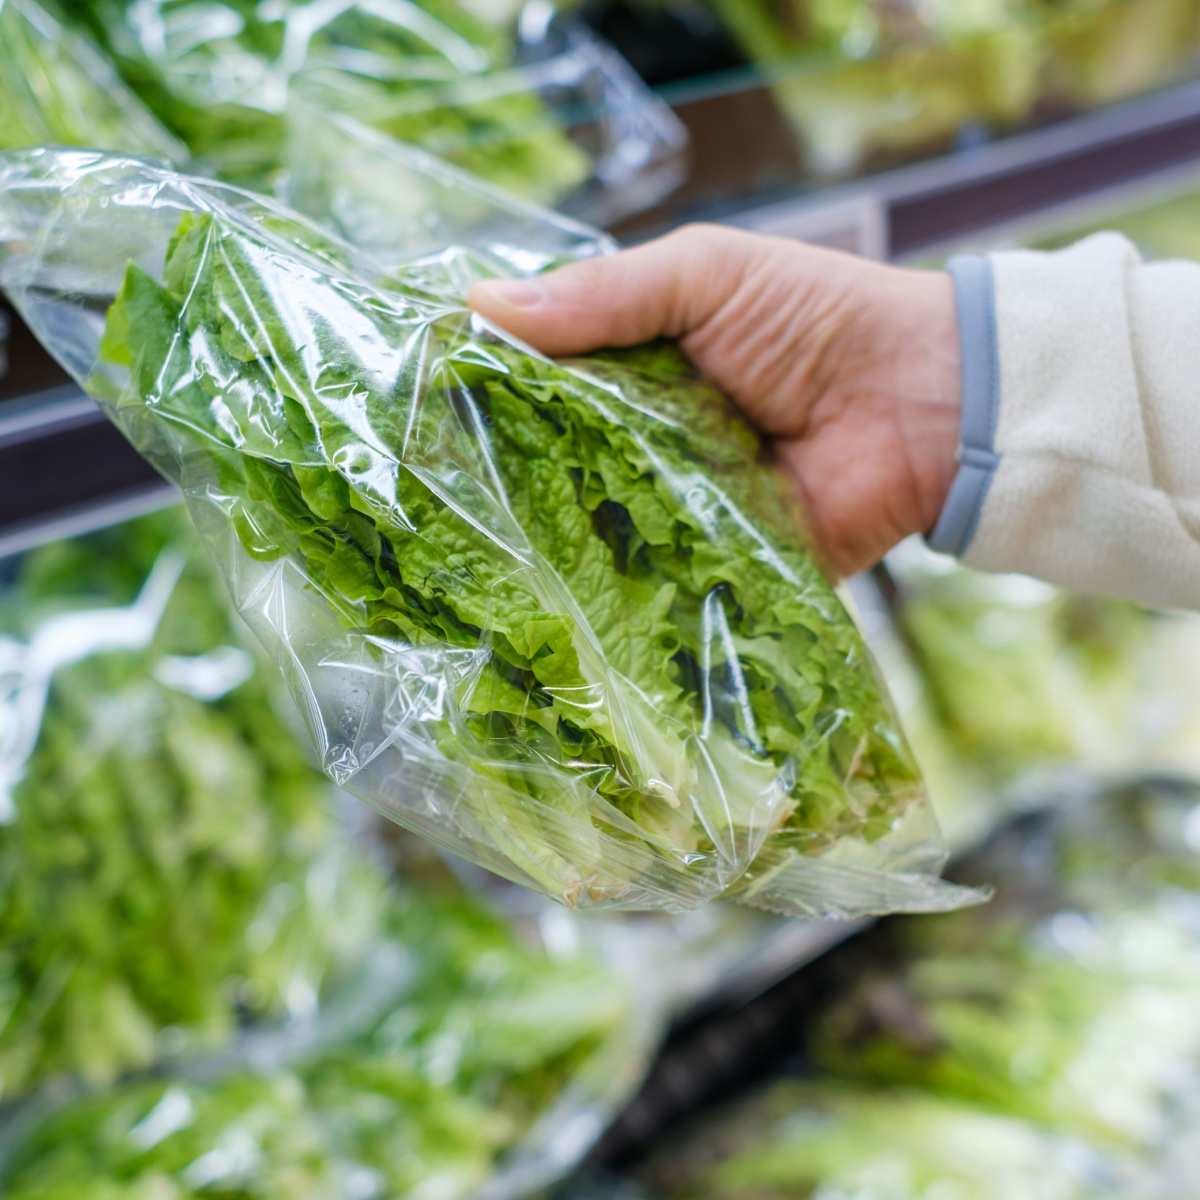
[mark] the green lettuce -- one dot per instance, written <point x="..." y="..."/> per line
<point x="645" y="675"/>
<point x="798" y="1140"/>
<point x="56" y="87"/>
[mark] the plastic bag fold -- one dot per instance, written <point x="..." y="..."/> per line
<point x="555" y="616"/>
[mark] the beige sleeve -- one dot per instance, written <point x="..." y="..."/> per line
<point x="1097" y="427"/>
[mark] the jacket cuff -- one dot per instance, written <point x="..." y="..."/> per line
<point x="975" y="300"/>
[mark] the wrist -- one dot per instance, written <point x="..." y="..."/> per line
<point x="930" y="391"/>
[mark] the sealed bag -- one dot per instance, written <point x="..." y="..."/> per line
<point x="555" y="616"/>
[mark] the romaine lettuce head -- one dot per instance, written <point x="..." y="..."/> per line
<point x="557" y="616"/>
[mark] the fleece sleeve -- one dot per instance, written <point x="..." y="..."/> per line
<point x="1080" y="447"/>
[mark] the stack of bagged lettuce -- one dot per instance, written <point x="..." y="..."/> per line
<point x="868" y="82"/>
<point x="206" y="987"/>
<point x="558" y="617"/>
<point x="1047" y="1045"/>
<point x="232" y="79"/>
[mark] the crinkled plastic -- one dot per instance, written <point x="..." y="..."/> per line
<point x="555" y="616"/>
<point x="178" y="898"/>
<point x="56" y="87"/>
<point x="579" y="127"/>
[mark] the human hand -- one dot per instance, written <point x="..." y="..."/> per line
<point x="849" y="368"/>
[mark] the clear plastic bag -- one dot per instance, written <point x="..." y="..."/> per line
<point x="56" y="87"/>
<point x="556" y="617"/>
<point x="199" y="953"/>
<point x="579" y="127"/>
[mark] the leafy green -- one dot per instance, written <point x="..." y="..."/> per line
<point x="174" y="887"/>
<point x="55" y="87"/>
<point x="868" y="82"/>
<point x="152" y="832"/>
<point x="822" y="1138"/>
<point x="645" y="674"/>
<point x="219" y="76"/>
<point x="1072" y="1003"/>
<point x="424" y="1100"/>
<point x="171" y="864"/>
<point x="1022" y="676"/>
<point x="1044" y="1045"/>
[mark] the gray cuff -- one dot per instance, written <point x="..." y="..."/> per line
<point x="977" y="459"/>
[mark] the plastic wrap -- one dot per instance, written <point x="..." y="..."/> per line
<point x="579" y="127"/>
<point x="557" y="617"/>
<point x="153" y="809"/>
<point x="834" y="1141"/>
<point x="1047" y="1045"/>
<point x="181" y="896"/>
<point x="56" y="87"/>
<point x="1074" y="1003"/>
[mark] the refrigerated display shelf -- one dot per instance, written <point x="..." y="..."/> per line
<point x="935" y="205"/>
<point x="61" y="463"/>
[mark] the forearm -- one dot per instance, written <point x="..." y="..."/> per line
<point x="1080" y="461"/>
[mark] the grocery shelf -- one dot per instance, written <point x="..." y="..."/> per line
<point x="64" y="469"/>
<point x="988" y="190"/>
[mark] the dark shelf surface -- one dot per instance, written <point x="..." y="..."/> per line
<point x="745" y="173"/>
<point x="64" y="468"/>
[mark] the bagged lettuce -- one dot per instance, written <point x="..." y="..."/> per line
<point x="57" y="87"/>
<point x="162" y="838"/>
<point x="208" y="978"/>
<point x="799" y="1140"/>
<point x="558" y="617"/>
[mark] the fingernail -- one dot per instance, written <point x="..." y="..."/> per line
<point x="519" y="293"/>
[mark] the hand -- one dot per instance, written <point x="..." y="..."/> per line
<point x="850" y="369"/>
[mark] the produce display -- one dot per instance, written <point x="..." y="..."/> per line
<point x="178" y="893"/>
<point x="55" y="86"/>
<point x="230" y="80"/>
<point x="800" y="1140"/>
<point x="866" y="82"/>
<point x="526" y="608"/>
<point x="1047" y="1044"/>
<point x="1022" y="685"/>
<point x="167" y="730"/>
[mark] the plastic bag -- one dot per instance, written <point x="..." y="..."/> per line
<point x="182" y="895"/>
<point x="154" y="811"/>
<point x="225" y="78"/>
<point x="577" y="129"/>
<point x="556" y="617"/>
<point x="835" y="1141"/>
<point x="56" y="87"/>
<point x="1038" y="690"/>
<point x="1073" y="1002"/>
<point x="1046" y="1045"/>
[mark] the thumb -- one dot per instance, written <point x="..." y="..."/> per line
<point x="665" y="288"/>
